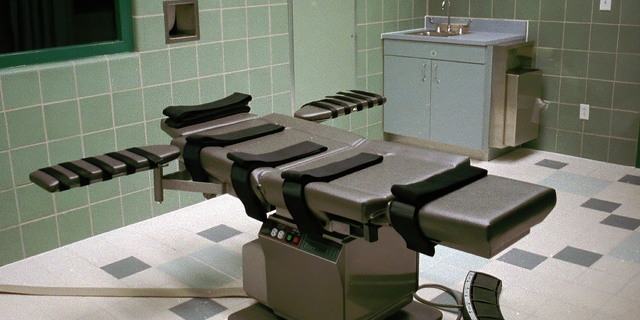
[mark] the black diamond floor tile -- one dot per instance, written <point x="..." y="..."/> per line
<point x="578" y="256"/>
<point x="631" y="179"/>
<point x="198" y="309"/>
<point x="219" y="233"/>
<point x="125" y="267"/>
<point x="523" y="259"/>
<point x="552" y="164"/>
<point x="601" y="205"/>
<point x="621" y="222"/>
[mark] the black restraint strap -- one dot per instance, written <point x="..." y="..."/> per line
<point x="359" y="104"/>
<point x="412" y="197"/>
<point x="182" y="116"/>
<point x="380" y="99"/>
<point x="107" y="171"/>
<point x="65" y="182"/>
<point x="85" y="175"/>
<point x="347" y="109"/>
<point x="370" y="100"/>
<point x="334" y="110"/>
<point x="244" y="163"/>
<point x="295" y="182"/>
<point x="154" y="159"/>
<point x="195" y="144"/>
<point x="132" y="164"/>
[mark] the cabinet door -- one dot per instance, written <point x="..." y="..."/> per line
<point x="457" y="104"/>
<point x="407" y="88"/>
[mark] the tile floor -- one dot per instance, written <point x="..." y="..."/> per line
<point x="582" y="262"/>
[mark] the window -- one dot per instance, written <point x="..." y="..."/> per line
<point x="53" y="30"/>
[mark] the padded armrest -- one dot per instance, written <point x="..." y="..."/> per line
<point x="487" y="216"/>
<point x="85" y="171"/>
<point x="343" y="103"/>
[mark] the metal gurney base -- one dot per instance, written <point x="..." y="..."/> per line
<point x="301" y="277"/>
<point x="412" y="311"/>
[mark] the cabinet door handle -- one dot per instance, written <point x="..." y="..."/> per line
<point x="435" y="71"/>
<point x="424" y="72"/>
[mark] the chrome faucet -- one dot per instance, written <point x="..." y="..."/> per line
<point x="448" y="4"/>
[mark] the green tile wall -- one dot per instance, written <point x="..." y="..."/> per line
<point x="373" y="17"/>
<point x="587" y="56"/>
<point x="51" y="113"/>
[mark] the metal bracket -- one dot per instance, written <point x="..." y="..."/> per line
<point x="181" y="180"/>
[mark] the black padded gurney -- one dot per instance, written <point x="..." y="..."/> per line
<point x="360" y="195"/>
<point x="215" y="162"/>
<point x="360" y="198"/>
<point x="481" y="217"/>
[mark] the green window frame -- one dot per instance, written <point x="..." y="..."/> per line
<point x="124" y="26"/>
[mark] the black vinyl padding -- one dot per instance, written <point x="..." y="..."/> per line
<point x="295" y="182"/>
<point x="277" y="157"/>
<point x="328" y="106"/>
<point x="195" y="144"/>
<point x="244" y="163"/>
<point x="107" y="171"/>
<point x="84" y="174"/>
<point x="357" y="102"/>
<point x="65" y="182"/>
<point x="333" y="170"/>
<point x="88" y="170"/>
<point x="182" y="116"/>
<point x="410" y="198"/>
<point x="132" y="165"/>
<point x="422" y="192"/>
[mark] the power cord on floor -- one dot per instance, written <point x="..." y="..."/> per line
<point x="235" y="292"/>
<point x="448" y="291"/>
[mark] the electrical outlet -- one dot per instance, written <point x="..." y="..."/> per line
<point x="584" y="112"/>
<point x="605" y="5"/>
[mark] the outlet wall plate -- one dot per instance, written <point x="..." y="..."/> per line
<point x="605" y="5"/>
<point x="584" y="112"/>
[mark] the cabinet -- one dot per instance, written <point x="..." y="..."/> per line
<point x="407" y="86"/>
<point x="457" y="104"/>
<point x="436" y="92"/>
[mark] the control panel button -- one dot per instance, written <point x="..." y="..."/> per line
<point x="274" y="232"/>
<point x="281" y="234"/>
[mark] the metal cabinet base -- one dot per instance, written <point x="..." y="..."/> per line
<point x="303" y="279"/>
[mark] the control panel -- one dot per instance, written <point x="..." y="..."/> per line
<point x="292" y="237"/>
<point x="282" y="233"/>
<point x="480" y="297"/>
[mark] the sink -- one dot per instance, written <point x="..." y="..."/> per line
<point x="480" y="31"/>
<point x="441" y="30"/>
<point x="432" y="33"/>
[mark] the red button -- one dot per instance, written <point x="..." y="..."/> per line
<point x="296" y="240"/>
